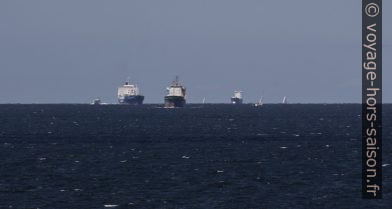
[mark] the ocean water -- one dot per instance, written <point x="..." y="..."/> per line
<point x="201" y="156"/>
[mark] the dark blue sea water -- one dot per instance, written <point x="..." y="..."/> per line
<point x="212" y="156"/>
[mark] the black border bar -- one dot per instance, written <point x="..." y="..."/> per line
<point x="372" y="99"/>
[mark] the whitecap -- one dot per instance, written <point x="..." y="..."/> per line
<point x="185" y="157"/>
<point x="283" y="147"/>
<point x="110" y="206"/>
<point x="9" y="144"/>
<point x="123" y="161"/>
<point x="385" y="165"/>
<point x="219" y="171"/>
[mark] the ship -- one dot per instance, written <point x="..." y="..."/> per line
<point x="129" y="94"/>
<point x="96" y="101"/>
<point x="260" y="103"/>
<point x="176" y="95"/>
<point x="237" y="98"/>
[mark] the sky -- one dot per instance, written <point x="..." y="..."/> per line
<point x="74" y="51"/>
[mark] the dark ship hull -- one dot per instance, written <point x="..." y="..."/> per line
<point x="236" y="101"/>
<point x="174" y="101"/>
<point x="132" y="100"/>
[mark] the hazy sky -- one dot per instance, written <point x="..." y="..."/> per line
<point x="73" y="51"/>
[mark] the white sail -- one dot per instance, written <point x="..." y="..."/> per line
<point x="284" y="100"/>
<point x="260" y="103"/>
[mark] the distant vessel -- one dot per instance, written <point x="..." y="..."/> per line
<point x="129" y="94"/>
<point x="237" y="98"/>
<point x="96" y="101"/>
<point x="204" y="100"/>
<point x="176" y="94"/>
<point x="284" y="100"/>
<point x="260" y="103"/>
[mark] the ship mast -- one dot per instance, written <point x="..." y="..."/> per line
<point x="176" y="81"/>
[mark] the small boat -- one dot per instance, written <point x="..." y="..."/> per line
<point x="96" y="102"/>
<point x="260" y="103"/>
<point x="284" y="100"/>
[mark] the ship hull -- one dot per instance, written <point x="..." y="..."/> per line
<point x="132" y="100"/>
<point x="236" y="101"/>
<point x="174" y="101"/>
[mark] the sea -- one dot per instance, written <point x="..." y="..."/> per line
<point x="71" y="156"/>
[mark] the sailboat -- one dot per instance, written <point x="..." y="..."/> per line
<point x="204" y="100"/>
<point x="284" y="100"/>
<point x="260" y="103"/>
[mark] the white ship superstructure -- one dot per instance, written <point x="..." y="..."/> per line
<point x="176" y="95"/>
<point x="129" y="94"/>
<point x="237" y="98"/>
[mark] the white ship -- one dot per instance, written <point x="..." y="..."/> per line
<point x="96" y="101"/>
<point x="129" y="94"/>
<point x="237" y="98"/>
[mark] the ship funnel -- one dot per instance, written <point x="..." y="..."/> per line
<point x="128" y="81"/>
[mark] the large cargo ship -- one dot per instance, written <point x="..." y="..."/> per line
<point x="129" y="94"/>
<point x="237" y="98"/>
<point x="176" y="94"/>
